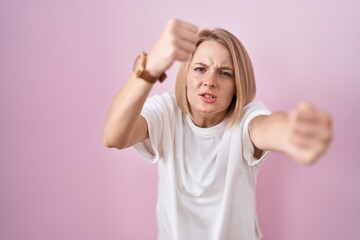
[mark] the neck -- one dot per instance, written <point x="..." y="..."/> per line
<point x="206" y="121"/>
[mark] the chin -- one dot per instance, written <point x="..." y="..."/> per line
<point x="206" y="111"/>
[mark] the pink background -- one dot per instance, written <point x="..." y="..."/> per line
<point x="61" y="63"/>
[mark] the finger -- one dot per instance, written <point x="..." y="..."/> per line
<point x="310" y="113"/>
<point x="185" y="46"/>
<point x="310" y="132"/>
<point x="301" y="140"/>
<point x="182" y="55"/>
<point x="311" y="122"/>
<point x="313" y="145"/>
<point x="309" y="119"/>
<point x="177" y="23"/>
<point x="307" y="155"/>
<point x="317" y="148"/>
<point x="321" y="134"/>
<point x="187" y="35"/>
<point x="306" y="107"/>
<point x="189" y="26"/>
<point x="325" y="118"/>
<point x="307" y="112"/>
<point x="306" y="130"/>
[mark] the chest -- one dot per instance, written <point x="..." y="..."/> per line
<point x="203" y="166"/>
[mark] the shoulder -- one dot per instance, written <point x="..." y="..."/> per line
<point x="254" y="108"/>
<point x="254" y="105"/>
<point x="164" y="103"/>
<point x="250" y="111"/>
<point x="166" y="98"/>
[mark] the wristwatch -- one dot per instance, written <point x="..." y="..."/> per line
<point x="140" y="70"/>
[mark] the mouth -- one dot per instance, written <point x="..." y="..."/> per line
<point x="208" y="97"/>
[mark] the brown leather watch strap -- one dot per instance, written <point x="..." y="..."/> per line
<point x="141" y="72"/>
<point x="147" y="77"/>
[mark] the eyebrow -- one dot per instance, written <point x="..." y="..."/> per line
<point x="223" y="68"/>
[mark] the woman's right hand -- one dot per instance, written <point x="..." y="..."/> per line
<point x="177" y="42"/>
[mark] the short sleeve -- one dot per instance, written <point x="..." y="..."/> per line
<point x="156" y="112"/>
<point x="250" y="111"/>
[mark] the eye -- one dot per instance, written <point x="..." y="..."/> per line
<point x="199" y="69"/>
<point x="226" y="74"/>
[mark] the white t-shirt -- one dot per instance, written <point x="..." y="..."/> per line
<point x="207" y="176"/>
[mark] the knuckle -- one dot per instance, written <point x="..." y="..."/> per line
<point x="172" y="31"/>
<point x="303" y="105"/>
<point x="193" y="48"/>
<point x="173" y="22"/>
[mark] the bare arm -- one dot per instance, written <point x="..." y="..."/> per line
<point x="124" y="125"/>
<point x="304" y="133"/>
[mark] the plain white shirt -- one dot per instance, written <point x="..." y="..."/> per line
<point x="207" y="176"/>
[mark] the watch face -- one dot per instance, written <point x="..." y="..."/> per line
<point x="139" y="64"/>
<point x="135" y="63"/>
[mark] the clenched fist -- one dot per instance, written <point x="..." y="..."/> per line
<point x="177" y="42"/>
<point x="309" y="133"/>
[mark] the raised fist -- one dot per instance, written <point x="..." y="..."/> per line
<point x="177" y="42"/>
<point x="309" y="133"/>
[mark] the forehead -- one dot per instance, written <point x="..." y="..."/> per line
<point x="212" y="52"/>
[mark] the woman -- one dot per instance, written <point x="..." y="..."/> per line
<point x="210" y="139"/>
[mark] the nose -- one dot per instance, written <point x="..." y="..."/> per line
<point x="210" y="81"/>
<point x="210" y="85"/>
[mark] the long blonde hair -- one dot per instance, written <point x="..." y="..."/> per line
<point x="243" y="70"/>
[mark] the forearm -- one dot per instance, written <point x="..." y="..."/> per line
<point x="269" y="133"/>
<point x="304" y="133"/>
<point x="124" y="111"/>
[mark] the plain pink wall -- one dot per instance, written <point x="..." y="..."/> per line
<point x="61" y="62"/>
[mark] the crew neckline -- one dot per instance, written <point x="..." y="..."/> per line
<point x="210" y="131"/>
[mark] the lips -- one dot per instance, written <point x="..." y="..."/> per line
<point x="208" y="97"/>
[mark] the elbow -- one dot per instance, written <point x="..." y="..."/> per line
<point x="110" y="142"/>
<point x="107" y="143"/>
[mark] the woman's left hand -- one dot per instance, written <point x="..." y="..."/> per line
<point x="309" y="133"/>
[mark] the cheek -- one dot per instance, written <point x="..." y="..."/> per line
<point x="230" y="90"/>
<point x="189" y="90"/>
<point x="192" y="84"/>
<point x="191" y="93"/>
<point x="194" y="78"/>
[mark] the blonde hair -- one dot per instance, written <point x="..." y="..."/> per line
<point x="243" y="70"/>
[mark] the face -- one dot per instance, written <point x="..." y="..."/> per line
<point x="210" y="83"/>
